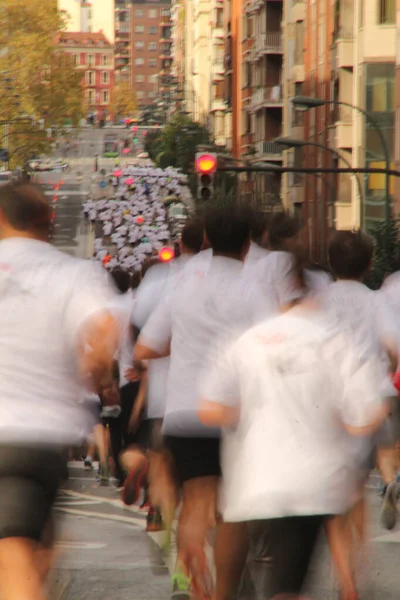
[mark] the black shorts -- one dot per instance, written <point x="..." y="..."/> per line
<point x="148" y="436"/>
<point x="195" y="457"/>
<point x="29" y="480"/>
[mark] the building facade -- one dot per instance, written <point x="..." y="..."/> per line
<point x="123" y="10"/>
<point x="90" y="16"/>
<point x="93" y="54"/>
<point x="343" y="56"/>
<point x="151" y="43"/>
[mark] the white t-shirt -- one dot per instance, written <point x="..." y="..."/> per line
<point x="296" y="384"/>
<point x="203" y="311"/>
<point x="156" y="284"/>
<point x="362" y="314"/>
<point x="45" y="297"/>
<point x="121" y="308"/>
<point x="390" y="296"/>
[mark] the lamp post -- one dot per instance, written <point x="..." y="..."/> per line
<point x="304" y="103"/>
<point x="295" y="143"/>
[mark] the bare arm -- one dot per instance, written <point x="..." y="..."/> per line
<point x="142" y="352"/>
<point x="213" y="414"/>
<point x="97" y="345"/>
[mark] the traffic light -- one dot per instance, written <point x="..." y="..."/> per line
<point x="166" y="254"/>
<point x="206" y="166"/>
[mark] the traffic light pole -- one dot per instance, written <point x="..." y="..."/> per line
<point x="277" y="169"/>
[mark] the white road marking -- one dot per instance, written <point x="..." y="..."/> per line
<point x="78" y="546"/>
<point x="117" y="503"/>
<point x="141" y="524"/>
<point x="76" y="502"/>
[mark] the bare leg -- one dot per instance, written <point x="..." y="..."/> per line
<point x="101" y="443"/>
<point x="20" y="578"/>
<point x="338" y="530"/>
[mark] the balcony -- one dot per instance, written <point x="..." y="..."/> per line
<point x="298" y="73"/>
<point x="267" y="43"/>
<point x="255" y="5"/>
<point x="218" y="105"/>
<point x="298" y="12"/>
<point x="218" y="33"/>
<point x="344" y="53"/>
<point x="268" y="150"/>
<point x="343" y="130"/>
<point x="218" y="69"/>
<point x="266" y="97"/>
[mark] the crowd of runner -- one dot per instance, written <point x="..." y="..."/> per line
<point x="245" y="389"/>
<point x="131" y="225"/>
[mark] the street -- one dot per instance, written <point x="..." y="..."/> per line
<point x="105" y="552"/>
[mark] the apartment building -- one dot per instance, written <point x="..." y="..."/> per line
<point x="123" y="9"/>
<point x="343" y="57"/>
<point x="93" y="54"/>
<point x="90" y="16"/>
<point x="150" y="47"/>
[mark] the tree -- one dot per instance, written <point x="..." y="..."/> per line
<point x="41" y="80"/>
<point x="123" y="102"/>
<point x="175" y="144"/>
<point x="387" y="252"/>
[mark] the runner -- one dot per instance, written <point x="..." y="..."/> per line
<point x="56" y="332"/>
<point x="208" y="304"/>
<point x="288" y="393"/>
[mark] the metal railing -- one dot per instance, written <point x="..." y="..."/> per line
<point x="268" y="42"/>
<point x="268" y="148"/>
<point x="266" y="96"/>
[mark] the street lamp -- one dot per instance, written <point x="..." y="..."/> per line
<point x="295" y="143"/>
<point x="304" y="103"/>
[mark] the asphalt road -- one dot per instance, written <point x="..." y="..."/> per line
<point x="105" y="552"/>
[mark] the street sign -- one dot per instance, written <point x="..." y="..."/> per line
<point x="103" y="184"/>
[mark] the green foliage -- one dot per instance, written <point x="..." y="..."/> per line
<point x="175" y="144"/>
<point x="111" y="154"/>
<point x="387" y="252"/>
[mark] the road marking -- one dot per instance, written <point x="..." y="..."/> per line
<point x="73" y="502"/>
<point x="78" y="546"/>
<point x="391" y="538"/>
<point x="141" y="524"/>
<point x="116" y="503"/>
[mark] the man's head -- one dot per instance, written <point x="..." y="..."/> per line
<point x="122" y="280"/>
<point x="350" y="254"/>
<point x="228" y="232"/>
<point x="192" y="237"/>
<point x="283" y="232"/>
<point x="24" y="212"/>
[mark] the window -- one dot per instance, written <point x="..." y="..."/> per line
<point x="90" y="97"/>
<point x="152" y="62"/>
<point x="139" y="28"/>
<point x="75" y="58"/>
<point x="387" y="12"/>
<point x="106" y="77"/>
<point x="89" y="13"/>
<point x="151" y="95"/>
<point x="106" y="97"/>
<point x="153" y="30"/>
<point x="139" y="78"/>
<point x="140" y="94"/>
<point x="139" y="62"/>
<point x="139" y="12"/>
<point x="90" y="78"/>
<point x="153" y="13"/>
<point x="153" y="46"/>
<point x="219" y="17"/>
<point x="139" y="45"/>
<point x="90" y="60"/>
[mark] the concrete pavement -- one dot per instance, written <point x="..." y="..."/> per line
<point x="105" y="552"/>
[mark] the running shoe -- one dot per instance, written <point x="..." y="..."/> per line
<point x="154" y="520"/>
<point x="134" y="482"/>
<point x="88" y="465"/>
<point x="104" y="478"/>
<point x="389" y="506"/>
<point x="180" y="586"/>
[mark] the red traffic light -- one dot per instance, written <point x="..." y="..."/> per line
<point x="140" y="220"/>
<point x="206" y="163"/>
<point x="166" y="254"/>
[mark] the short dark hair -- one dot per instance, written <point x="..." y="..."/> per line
<point x="282" y="227"/>
<point x="192" y="236"/>
<point x="122" y="279"/>
<point x="350" y="253"/>
<point x="26" y="208"/>
<point x="258" y="224"/>
<point x="227" y="230"/>
<point x="136" y="278"/>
